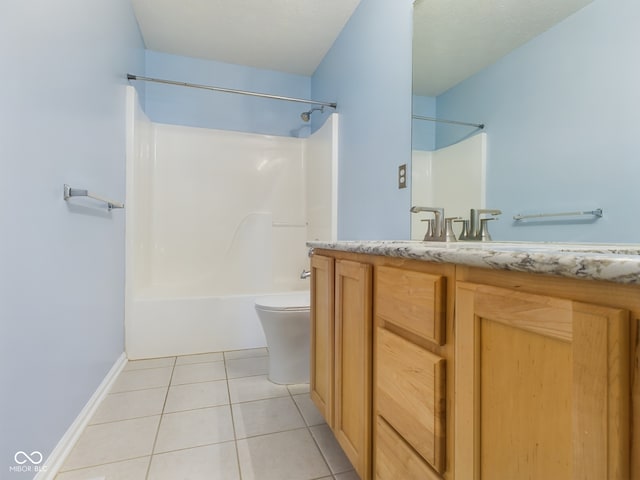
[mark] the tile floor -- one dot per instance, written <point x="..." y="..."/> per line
<point x="209" y="416"/>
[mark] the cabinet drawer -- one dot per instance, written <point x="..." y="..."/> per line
<point x="410" y="394"/>
<point x="397" y="460"/>
<point x="412" y="300"/>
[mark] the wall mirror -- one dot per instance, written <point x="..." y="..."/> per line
<point x="556" y="86"/>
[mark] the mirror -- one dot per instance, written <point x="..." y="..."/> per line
<point x="557" y="87"/>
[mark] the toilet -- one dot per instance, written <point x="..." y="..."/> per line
<point x="286" y="324"/>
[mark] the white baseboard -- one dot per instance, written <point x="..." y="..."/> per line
<point x="60" y="453"/>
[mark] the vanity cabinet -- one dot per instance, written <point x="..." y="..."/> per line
<point x="542" y="386"/>
<point x="352" y="415"/>
<point x="544" y="378"/>
<point x="410" y="369"/>
<point x="381" y="338"/>
<point x="341" y="348"/>
<point x="322" y="335"/>
<point x="443" y="371"/>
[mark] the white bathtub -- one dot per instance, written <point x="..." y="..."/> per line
<point x="214" y="219"/>
<point x="166" y="326"/>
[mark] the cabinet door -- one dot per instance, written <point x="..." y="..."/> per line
<point x="542" y="387"/>
<point x="322" y="338"/>
<point x="353" y="343"/>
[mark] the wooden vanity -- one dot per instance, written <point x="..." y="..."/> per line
<point x="439" y="370"/>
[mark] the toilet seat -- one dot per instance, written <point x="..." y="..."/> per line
<point x="289" y="302"/>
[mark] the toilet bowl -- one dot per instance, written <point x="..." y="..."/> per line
<point x="286" y="324"/>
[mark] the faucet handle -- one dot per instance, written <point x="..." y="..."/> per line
<point x="449" y="236"/>
<point x="484" y="229"/>
<point x="430" y="233"/>
<point x="464" y="234"/>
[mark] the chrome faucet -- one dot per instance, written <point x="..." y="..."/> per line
<point x="478" y="229"/>
<point x="435" y="231"/>
<point x="305" y="274"/>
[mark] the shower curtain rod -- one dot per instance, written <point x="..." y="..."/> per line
<point x="231" y="90"/>
<point x="432" y="119"/>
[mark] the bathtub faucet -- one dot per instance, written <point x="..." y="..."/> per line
<point x="305" y="274"/>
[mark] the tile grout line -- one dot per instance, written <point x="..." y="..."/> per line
<point x="146" y="368"/>
<point x="155" y="440"/>
<point x="258" y="399"/>
<point x="233" y="423"/>
<point x="324" y="459"/>
<point x="89" y="467"/>
<point x="273" y="433"/>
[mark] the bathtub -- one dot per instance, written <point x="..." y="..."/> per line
<point x="214" y="219"/>
<point x="167" y="326"/>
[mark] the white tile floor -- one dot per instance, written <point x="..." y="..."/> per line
<point x="210" y="416"/>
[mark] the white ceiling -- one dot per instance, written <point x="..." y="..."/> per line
<point x="289" y="36"/>
<point x="455" y="39"/>
<point x="452" y="39"/>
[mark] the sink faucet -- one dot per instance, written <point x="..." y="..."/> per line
<point x="436" y="231"/>
<point x="305" y="274"/>
<point x="477" y="227"/>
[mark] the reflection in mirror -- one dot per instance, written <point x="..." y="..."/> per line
<point x="453" y="176"/>
<point x="559" y="99"/>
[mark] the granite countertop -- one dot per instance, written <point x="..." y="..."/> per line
<point x="617" y="263"/>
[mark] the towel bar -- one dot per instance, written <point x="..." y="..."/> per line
<point x="596" y="213"/>
<point x="79" y="192"/>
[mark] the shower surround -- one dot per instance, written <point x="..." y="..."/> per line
<point x="215" y="218"/>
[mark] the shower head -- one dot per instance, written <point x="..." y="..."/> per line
<point x="306" y="116"/>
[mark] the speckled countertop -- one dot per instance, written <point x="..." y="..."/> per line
<point x="618" y="263"/>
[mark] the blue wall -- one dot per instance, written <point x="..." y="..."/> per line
<point x="423" y="132"/>
<point x="562" y="124"/>
<point x="368" y="72"/>
<point x="61" y="266"/>
<point x="204" y="108"/>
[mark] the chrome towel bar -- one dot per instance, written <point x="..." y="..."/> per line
<point x="596" y="213"/>
<point x="78" y="192"/>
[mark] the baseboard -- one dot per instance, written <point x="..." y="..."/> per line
<point x="60" y="453"/>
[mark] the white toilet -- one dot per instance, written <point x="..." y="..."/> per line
<point x="286" y="324"/>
